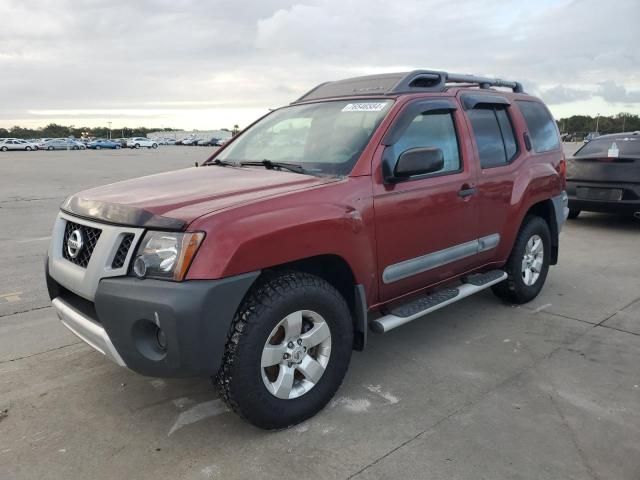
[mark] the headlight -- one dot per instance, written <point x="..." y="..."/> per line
<point x="166" y="255"/>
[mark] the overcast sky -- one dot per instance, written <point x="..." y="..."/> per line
<point x="196" y="64"/>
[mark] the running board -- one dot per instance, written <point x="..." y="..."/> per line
<point x="430" y="303"/>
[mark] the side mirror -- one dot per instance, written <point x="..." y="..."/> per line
<point x="418" y="161"/>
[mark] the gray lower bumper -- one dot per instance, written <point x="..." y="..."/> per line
<point x="87" y="330"/>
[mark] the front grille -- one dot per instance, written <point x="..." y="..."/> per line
<point x="123" y="249"/>
<point x="90" y="237"/>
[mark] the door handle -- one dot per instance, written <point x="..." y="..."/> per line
<point x="467" y="191"/>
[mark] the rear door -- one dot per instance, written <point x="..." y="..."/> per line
<point x="426" y="227"/>
<point x="491" y="122"/>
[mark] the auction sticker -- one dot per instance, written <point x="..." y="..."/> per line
<point x="364" y="107"/>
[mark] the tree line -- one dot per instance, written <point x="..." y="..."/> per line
<point x="581" y="124"/>
<point x="53" y="130"/>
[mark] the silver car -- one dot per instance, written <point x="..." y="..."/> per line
<point x="16" y="144"/>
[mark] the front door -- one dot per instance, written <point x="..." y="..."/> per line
<point x="426" y="226"/>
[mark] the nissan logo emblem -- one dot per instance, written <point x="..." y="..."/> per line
<point x="74" y="243"/>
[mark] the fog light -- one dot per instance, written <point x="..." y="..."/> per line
<point x="140" y="267"/>
<point x="161" y="338"/>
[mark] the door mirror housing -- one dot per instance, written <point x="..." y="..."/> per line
<point x="418" y="161"/>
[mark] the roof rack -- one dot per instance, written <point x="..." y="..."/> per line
<point x="402" y="82"/>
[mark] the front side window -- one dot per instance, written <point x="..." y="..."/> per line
<point x="324" y="138"/>
<point x="494" y="135"/>
<point x="433" y="129"/>
<point x="542" y="129"/>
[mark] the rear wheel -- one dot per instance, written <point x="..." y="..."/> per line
<point x="49" y="148"/>
<point x="573" y="213"/>
<point x="137" y="145"/>
<point x="528" y="263"/>
<point x="98" y="147"/>
<point x="28" y="149"/>
<point x="4" y="149"/>
<point x="287" y="351"/>
<point x="117" y="147"/>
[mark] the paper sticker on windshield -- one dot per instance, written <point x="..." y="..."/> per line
<point x="364" y="107"/>
<point x="613" y="152"/>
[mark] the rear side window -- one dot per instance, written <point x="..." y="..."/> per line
<point x="494" y="135"/>
<point x="542" y="128"/>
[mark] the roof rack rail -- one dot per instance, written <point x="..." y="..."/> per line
<point x="404" y="82"/>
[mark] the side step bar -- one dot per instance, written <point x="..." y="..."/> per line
<point x="430" y="303"/>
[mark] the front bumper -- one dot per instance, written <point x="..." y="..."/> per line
<point x="628" y="204"/>
<point x="123" y="322"/>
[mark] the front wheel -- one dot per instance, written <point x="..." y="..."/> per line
<point x="49" y="148"/>
<point x="4" y="149"/>
<point x="117" y="147"/>
<point x="98" y="147"/>
<point x="137" y="145"/>
<point x="287" y="351"/>
<point x="155" y="145"/>
<point x="28" y="149"/>
<point x="528" y="264"/>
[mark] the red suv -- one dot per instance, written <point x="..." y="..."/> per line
<point x="365" y="204"/>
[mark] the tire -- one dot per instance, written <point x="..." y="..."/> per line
<point x="98" y="147"/>
<point x="49" y="148"/>
<point x="4" y="149"/>
<point x="267" y="316"/>
<point x="76" y="148"/>
<point x="573" y="213"/>
<point x="28" y="149"/>
<point x="117" y="147"/>
<point x="137" y="145"/>
<point x="520" y="287"/>
<point x="155" y="145"/>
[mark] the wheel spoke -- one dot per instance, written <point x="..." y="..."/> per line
<point x="537" y="246"/>
<point x="272" y="355"/>
<point x="293" y="324"/>
<point x="318" y="334"/>
<point x="284" y="383"/>
<point x="527" y="276"/>
<point x="311" y="369"/>
<point x="536" y="266"/>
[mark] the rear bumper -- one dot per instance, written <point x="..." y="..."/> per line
<point x="629" y="204"/>
<point x="124" y="322"/>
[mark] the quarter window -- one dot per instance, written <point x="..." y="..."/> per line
<point x="494" y="135"/>
<point x="542" y="129"/>
<point x="432" y="129"/>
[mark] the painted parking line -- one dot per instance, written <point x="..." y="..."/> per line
<point x="11" y="297"/>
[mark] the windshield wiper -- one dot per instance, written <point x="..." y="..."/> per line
<point x="270" y="165"/>
<point x="221" y="163"/>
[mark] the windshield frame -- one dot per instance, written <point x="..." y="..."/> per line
<point x="388" y="109"/>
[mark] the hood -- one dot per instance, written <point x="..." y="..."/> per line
<point x="172" y="200"/>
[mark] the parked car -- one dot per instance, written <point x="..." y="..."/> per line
<point x="212" y="142"/>
<point x="591" y="136"/>
<point x="604" y="175"/>
<point x="268" y="265"/>
<point x="121" y="141"/>
<point x="190" y="141"/>
<point x="138" y="142"/>
<point x="104" y="143"/>
<point x="16" y="144"/>
<point x="61" y="144"/>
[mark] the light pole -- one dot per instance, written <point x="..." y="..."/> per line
<point x="624" y="120"/>
<point x="109" y="123"/>
<point x="597" y="121"/>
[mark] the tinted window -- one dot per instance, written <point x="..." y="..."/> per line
<point x="510" y="146"/>
<point x="542" y="129"/>
<point x="626" y="146"/>
<point x="432" y="129"/>
<point x="491" y="147"/>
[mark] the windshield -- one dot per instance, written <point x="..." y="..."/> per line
<point x="626" y="146"/>
<point x="324" y="138"/>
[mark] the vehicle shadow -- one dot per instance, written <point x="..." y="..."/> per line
<point x="622" y="223"/>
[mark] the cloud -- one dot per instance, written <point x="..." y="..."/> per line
<point x="105" y="56"/>
<point x="614" y="93"/>
<point x="561" y="94"/>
